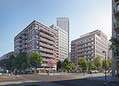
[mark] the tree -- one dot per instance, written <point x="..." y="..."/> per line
<point x="11" y="62"/>
<point x="115" y="43"/>
<point x="105" y="64"/>
<point x="21" y="62"/>
<point x="68" y="66"/>
<point x="51" y="63"/>
<point x="109" y="62"/>
<point x="91" y="65"/>
<point x="83" y="64"/>
<point x="59" y="65"/>
<point x="97" y="62"/>
<point x="8" y="64"/>
<point x="4" y="63"/>
<point x="36" y="59"/>
<point x="72" y="66"/>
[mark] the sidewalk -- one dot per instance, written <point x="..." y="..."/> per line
<point x="20" y="83"/>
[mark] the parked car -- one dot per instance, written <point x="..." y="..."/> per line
<point x="93" y="71"/>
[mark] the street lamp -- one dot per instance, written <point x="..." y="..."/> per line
<point x="105" y="63"/>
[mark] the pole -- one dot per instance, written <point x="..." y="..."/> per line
<point x="105" y="64"/>
<point x="105" y="67"/>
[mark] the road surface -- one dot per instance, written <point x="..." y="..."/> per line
<point x="66" y="79"/>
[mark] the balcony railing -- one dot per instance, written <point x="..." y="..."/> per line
<point x="47" y="55"/>
<point x="46" y="31"/>
<point x="46" y="50"/>
<point x="46" y="45"/>
<point x="45" y="40"/>
<point x="47" y="36"/>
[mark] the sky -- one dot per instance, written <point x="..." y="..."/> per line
<point x="84" y="16"/>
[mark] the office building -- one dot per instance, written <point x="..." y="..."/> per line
<point x="89" y="45"/>
<point x="62" y="42"/>
<point x="41" y="38"/>
<point x="63" y="23"/>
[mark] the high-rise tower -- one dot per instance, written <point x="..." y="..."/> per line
<point x="63" y="23"/>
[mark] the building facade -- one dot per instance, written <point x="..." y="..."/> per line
<point x="109" y="50"/>
<point x="89" y="45"/>
<point x="63" y="23"/>
<point x="41" y="38"/>
<point x="6" y="56"/>
<point x="115" y="37"/>
<point x="62" y="42"/>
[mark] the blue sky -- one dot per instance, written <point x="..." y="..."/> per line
<point x="84" y="16"/>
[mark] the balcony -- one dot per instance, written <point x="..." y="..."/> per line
<point x="45" y="40"/>
<point x="47" y="36"/>
<point x="47" y="55"/>
<point x="44" y="59"/>
<point x="46" y="50"/>
<point x="46" y="45"/>
<point x="47" y="32"/>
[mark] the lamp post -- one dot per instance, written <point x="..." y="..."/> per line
<point x="105" y="63"/>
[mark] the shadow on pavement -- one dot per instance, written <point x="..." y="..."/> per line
<point x="81" y="82"/>
<point x="74" y="82"/>
<point x="96" y="81"/>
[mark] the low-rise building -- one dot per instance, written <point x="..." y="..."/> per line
<point x="6" y="56"/>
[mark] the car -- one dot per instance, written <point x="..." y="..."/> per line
<point x="93" y="71"/>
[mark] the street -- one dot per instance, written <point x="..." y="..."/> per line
<point x="73" y="82"/>
<point x="57" y="79"/>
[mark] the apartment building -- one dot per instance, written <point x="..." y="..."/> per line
<point x="62" y="42"/>
<point x="115" y="37"/>
<point x="41" y="38"/>
<point x="63" y="23"/>
<point x="89" y="45"/>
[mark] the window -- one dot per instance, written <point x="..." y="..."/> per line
<point x="20" y="41"/>
<point x="20" y="37"/>
<point x="118" y="7"/>
<point x="116" y="52"/>
<point x="20" y="46"/>
<point x="37" y="47"/>
<point x="92" y="38"/>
